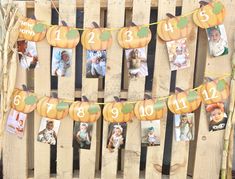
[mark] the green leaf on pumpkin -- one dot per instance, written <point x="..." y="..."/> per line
<point x="127" y="108"/>
<point x="218" y="7"/>
<point x="62" y="106"/>
<point x="72" y="34"/>
<point x="158" y="105"/>
<point x="93" y="109"/>
<point x="143" y="32"/>
<point x="105" y="36"/>
<point x="192" y="96"/>
<point x="30" y="100"/>
<point x="39" y="27"/>
<point x="221" y="85"/>
<point x="182" y="22"/>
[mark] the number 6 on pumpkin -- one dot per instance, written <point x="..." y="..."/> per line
<point x="17" y="100"/>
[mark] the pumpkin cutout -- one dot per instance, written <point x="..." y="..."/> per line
<point x="23" y="101"/>
<point x="53" y="108"/>
<point x="210" y="15"/>
<point x="184" y="102"/>
<point x="96" y="39"/>
<point x="84" y="111"/>
<point x="63" y="36"/>
<point x="174" y="28"/>
<point x="134" y="37"/>
<point x="118" y="112"/>
<point x="214" y="91"/>
<point x="31" y="29"/>
<point x="149" y="110"/>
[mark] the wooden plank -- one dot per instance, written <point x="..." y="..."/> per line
<point x="141" y="15"/>
<point x="66" y="87"/>
<point x="42" y="87"/>
<point x="90" y="90"/>
<point x="184" y="80"/>
<point x="161" y="87"/>
<point x="13" y="146"/>
<point x="115" y="18"/>
<point x="210" y="144"/>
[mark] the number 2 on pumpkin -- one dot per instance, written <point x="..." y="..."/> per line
<point x="115" y="113"/>
<point x="177" y="104"/>
<point x="80" y="112"/>
<point x="203" y="14"/>
<point x="129" y="36"/>
<point x="212" y="94"/>
<point x="169" y="27"/>
<point x="147" y="111"/>
<point x="91" y="38"/>
<point x="57" y="35"/>
<point x="17" y="99"/>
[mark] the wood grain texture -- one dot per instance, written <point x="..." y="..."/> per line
<point x="140" y="15"/>
<point x="161" y="87"/>
<point x="90" y="90"/>
<point x="41" y="88"/>
<point x="115" y="18"/>
<point x="15" y="149"/>
<point x="210" y="144"/>
<point x="66" y="88"/>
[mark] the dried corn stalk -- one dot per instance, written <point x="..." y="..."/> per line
<point x="8" y="57"/>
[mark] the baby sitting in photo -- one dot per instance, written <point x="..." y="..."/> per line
<point x="62" y="63"/>
<point x="116" y="139"/>
<point x="48" y="135"/>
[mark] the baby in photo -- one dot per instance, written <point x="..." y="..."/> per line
<point x="48" y="131"/>
<point x="136" y="62"/>
<point x="61" y="62"/>
<point x="217" y="116"/>
<point x="150" y="133"/>
<point x="178" y="54"/>
<point x="218" y="44"/>
<point x="83" y="136"/>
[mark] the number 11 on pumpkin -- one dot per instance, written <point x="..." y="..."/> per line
<point x="180" y="104"/>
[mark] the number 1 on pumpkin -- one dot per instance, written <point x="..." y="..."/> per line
<point x="49" y="107"/>
<point x="57" y="35"/>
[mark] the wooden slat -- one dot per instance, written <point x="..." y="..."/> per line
<point x="161" y="87"/>
<point x="115" y="18"/>
<point x="66" y="87"/>
<point x="210" y="144"/>
<point x="42" y="87"/>
<point x="184" y="80"/>
<point x="141" y="15"/>
<point x="15" y="149"/>
<point x="90" y="90"/>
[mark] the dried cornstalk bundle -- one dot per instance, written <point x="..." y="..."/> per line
<point x="9" y="31"/>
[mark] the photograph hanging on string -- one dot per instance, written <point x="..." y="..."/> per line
<point x="83" y="134"/>
<point x="178" y="54"/>
<point x="28" y="56"/>
<point x="48" y="131"/>
<point x="217" y="116"/>
<point x="150" y="133"/>
<point x="95" y="63"/>
<point x="217" y="38"/>
<point x="16" y="123"/>
<point x="136" y="62"/>
<point x="116" y="136"/>
<point x="184" y="127"/>
<point x="61" y="62"/>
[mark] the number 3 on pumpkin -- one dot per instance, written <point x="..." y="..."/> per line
<point x="129" y="36"/>
<point x="17" y="99"/>
<point x="203" y="14"/>
<point x="169" y="27"/>
<point x="80" y="112"/>
<point x="115" y="113"/>
<point x="177" y="104"/>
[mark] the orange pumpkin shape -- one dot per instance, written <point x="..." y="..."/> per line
<point x="134" y="37"/>
<point x="210" y="15"/>
<point x="31" y="29"/>
<point x="96" y="39"/>
<point x="118" y="112"/>
<point x="214" y="91"/>
<point x="23" y="101"/>
<point x="53" y="108"/>
<point x="149" y="109"/>
<point x="63" y="36"/>
<point x="84" y="111"/>
<point x="184" y="102"/>
<point x="174" y="28"/>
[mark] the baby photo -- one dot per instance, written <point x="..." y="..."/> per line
<point x="150" y="133"/>
<point x="116" y="136"/>
<point x="178" y="54"/>
<point x="216" y="116"/>
<point x="28" y="57"/>
<point x="95" y="63"/>
<point x="48" y="131"/>
<point x="82" y="134"/>
<point x="136" y="62"/>
<point x="61" y="62"/>
<point x="217" y="38"/>
<point x="184" y="127"/>
<point x="16" y="122"/>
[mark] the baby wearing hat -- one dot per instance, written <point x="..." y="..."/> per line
<point x="116" y="139"/>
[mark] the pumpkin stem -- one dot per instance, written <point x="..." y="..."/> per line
<point x="203" y="3"/>
<point x="117" y="99"/>
<point x="24" y="87"/>
<point x="54" y="94"/>
<point x="85" y="99"/>
<point x="178" y="89"/>
<point x="170" y="15"/>
<point x="147" y="96"/>
<point x="95" y="25"/>
<point x="208" y="79"/>
<point x="64" y="23"/>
